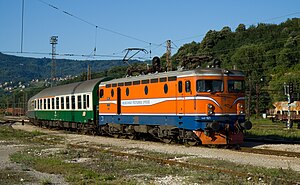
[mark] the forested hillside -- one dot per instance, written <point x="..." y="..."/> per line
<point x="15" y="68"/>
<point x="269" y="55"/>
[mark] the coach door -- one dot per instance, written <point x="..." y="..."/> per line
<point x="180" y="98"/>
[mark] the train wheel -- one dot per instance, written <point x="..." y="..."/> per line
<point x="192" y="143"/>
<point x="167" y="140"/>
<point x="116" y="135"/>
<point x="132" y="136"/>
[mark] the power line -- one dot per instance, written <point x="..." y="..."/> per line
<point x="94" y="25"/>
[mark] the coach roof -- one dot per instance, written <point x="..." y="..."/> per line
<point x="73" y="88"/>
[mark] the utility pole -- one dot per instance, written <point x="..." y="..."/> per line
<point x="288" y="90"/>
<point x="53" y="42"/>
<point x="168" y="56"/>
<point x="89" y="73"/>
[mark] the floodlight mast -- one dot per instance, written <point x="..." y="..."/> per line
<point x="53" y="42"/>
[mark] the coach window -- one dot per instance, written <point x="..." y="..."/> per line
<point x="62" y="103"/>
<point x="84" y="101"/>
<point x="40" y="104"/>
<point x="112" y="93"/>
<point x="88" y="101"/>
<point x="57" y="102"/>
<point x="52" y="103"/>
<point x="68" y="102"/>
<point x="79" y="103"/>
<point x="188" y="86"/>
<point x="166" y="88"/>
<point x="180" y="86"/>
<point x="48" y="103"/>
<point x="146" y="90"/>
<point x="34" y="104"/>
<point x="73" y="101"/>
<point x="45" y="104"/>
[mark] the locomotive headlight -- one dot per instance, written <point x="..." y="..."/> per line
<point x="240" y="108"/>
<point x="210" y="109"/>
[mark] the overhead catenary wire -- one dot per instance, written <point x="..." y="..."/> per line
<point x="95" y="25"/>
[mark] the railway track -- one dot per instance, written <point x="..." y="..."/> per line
<point x="269" y="152"/>
<point x="243" y="149"/>
<point x="185" y="164"/>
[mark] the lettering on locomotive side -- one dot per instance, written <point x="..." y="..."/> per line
<point x="135" y="102"/>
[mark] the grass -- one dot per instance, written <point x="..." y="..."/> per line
<point x="11" y="176"/>
<point x="277" y="130"/>
<point x="9" y="134"/>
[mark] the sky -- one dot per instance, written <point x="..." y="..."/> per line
<point x="111" y="26"/>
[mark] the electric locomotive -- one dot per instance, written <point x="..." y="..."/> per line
<point x="204" y="106"/>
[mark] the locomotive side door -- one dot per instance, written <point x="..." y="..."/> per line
<point x="180" y="98"/>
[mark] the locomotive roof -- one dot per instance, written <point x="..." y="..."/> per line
<point x="178" y="74"/>
<point x="73" y="88"/>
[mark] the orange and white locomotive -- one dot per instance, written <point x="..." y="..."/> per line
<point x="205" y="106"/>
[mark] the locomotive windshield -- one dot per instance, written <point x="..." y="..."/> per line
<point x="236" y="86"/>
<point x="209" y="86"/>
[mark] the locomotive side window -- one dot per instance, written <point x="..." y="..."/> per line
<point x="145" y="81"/>
<point x="172" y="78"/>
<point x="236" y="86"/>
<point x="73" y="102"/>
<point x="155" y="80"/>
<point x="164" y="79"/>
<point x="180" y="86"/>
<point x="79" y="103"/>
<point x="128" y="83"/>
<point x="188" y="86"/>
<point x="209" y="86"/>
<point x="146" y="90"/>
<point x="68" y="102"/>
<point x="57" y="102"/>
<point x="136" y="82"/>
<point x="127" y="91"/>
<point x="166" y="88"/>
<point x="101" y="93"/>
<point x="112" y="92"/>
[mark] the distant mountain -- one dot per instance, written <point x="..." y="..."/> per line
<point x="14" y="68"/>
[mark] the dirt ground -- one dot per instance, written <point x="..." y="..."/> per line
<point x="22" y="173"/>
<point x="210" y="153"/>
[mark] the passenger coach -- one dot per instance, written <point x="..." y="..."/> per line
<point x="69" y="106"/>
